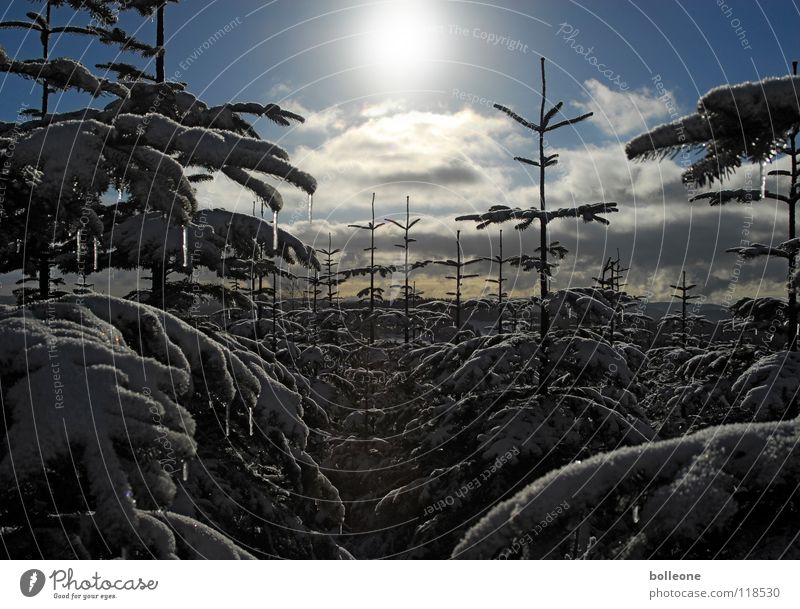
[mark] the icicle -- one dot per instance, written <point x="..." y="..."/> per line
<point x="250" y="423"/>
<point x="119" y="194"/>
<point x="78" y="245"/>
<point x="635" y="514"/>
<point x="762" y="178"/>
<point x="185" y="245"/>
<point x="96" y="254"/>
<point x="19" y="244"/>
<point x="185" y="472"/>
<point x="310" y="207"/>
<point x="227" y="419"/>
<point x="275" y="230"/>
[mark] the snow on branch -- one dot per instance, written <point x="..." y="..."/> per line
<point x="749" y="121"/>
<point x="213" y="149"/>
<point x="23" y="25"/>
<point x="123" y="39"/>
<point x="9" y="128"/>
<point x="757" y="249"/>
<point x="769" y="385"/>
<point x="181" y="106"/>
<point x="544" y="127"/>
<point x="241" y="231"/>
<point x="69" y="155"/>
<point x="689" y="482"/>
<point x="498" y="214"/>
<point x="524" y="122"/>
<point x="740" y="195"/>
<point x="382" y="270"/>
<point x="570" y="121"/>
<point x="171" y="341"/>
<point x="590" y="305"/>
<point x="180" y="535"/>
<point x="61" y="73"/>
<point x="115" y="397"/>
<point x="126" y="71"/>
<point x="265" y="192"/>
<point x="771" y="100"/>
<point x="101" y="10"/>
<point x="144" y="239"/>
<point x="787" y="249"/>
<point x="662" y="141"/>
<point x="271" y="111"/>
<point x="530" y="263"/>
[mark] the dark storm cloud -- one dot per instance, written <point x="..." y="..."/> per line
<point x="445" y="175"/>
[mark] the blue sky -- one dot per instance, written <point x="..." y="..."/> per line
<point x="398" y="97"/>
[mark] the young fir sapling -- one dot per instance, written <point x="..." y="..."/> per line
<point x="500" y="213"/>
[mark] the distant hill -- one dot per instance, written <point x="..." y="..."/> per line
<point x="712" y="312"/>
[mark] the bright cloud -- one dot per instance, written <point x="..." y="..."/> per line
<point x="622" y="113"/>
<point x="445" y="161"/>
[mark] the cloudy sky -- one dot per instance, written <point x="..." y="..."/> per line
<point x="398" y="100"/>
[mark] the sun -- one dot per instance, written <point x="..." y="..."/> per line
<point x="401" y="36"/>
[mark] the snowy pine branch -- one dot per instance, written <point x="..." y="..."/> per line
<point x="61" y="73"/>
<point x="787" y="249"/>
<point x="746" y="121"/>
<point x="500" y="213"/>
<point x="126" y="71"/>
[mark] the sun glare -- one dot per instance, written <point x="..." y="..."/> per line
<point x="401" y="36"/>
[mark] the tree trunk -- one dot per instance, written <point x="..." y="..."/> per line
<point x="405" y="280"/>
<point x="160" y="72"/>
<point x="274" y="313"/>
<point x="792" y="309"/>
<point x="44" y="276"/>
<point x="44" y="258"/>
<point x="45" y="56"/>
<point x="544" y="322"/>
<point x="500" y="288"/>
<point x="372" y="275"/>
<point x="315" y="286"/>
<point x="458" y="281"/>
<point x="683" y="312"/>
<point x="158" y="279"/>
